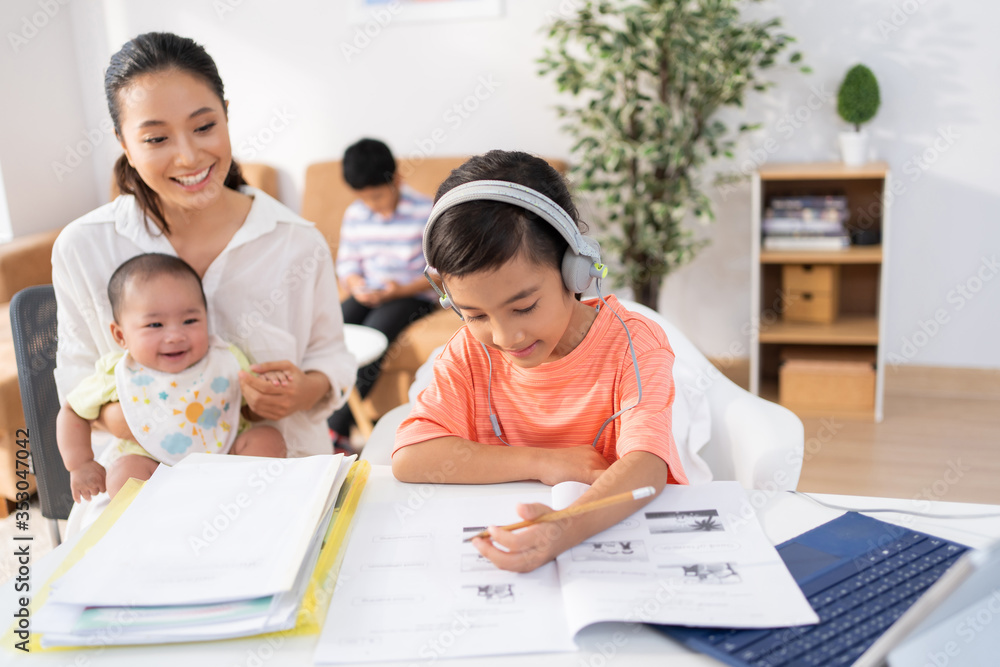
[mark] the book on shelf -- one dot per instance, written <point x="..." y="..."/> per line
<point x="786" y="204"/>
<point x="779" y="226"/>
<point x="805" y="216"/>
<point x="215" y="547"/>
<point x="807" y="242"/>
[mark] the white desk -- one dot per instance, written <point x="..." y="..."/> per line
<point x="783" y="516"/>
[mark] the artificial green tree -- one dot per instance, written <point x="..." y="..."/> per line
<point x="650" y="77"/>
<point x="858" y="97"/>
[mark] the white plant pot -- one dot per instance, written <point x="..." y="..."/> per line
<point x="854" y="148"/>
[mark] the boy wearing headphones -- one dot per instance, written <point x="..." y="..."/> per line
<point x="538" y="384"/>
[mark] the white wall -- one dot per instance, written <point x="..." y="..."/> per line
<point x="296" y="94"/>
<point x="937" y="66"/>
<point x="305" y="70"/>
<point x="45" y="148"/>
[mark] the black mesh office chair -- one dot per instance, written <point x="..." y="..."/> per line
<point x="33" y="322"/>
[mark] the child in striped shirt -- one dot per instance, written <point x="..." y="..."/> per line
<point x="538" y="385"/>
<point x="379" y="260"/>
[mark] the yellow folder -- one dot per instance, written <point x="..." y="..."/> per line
<point x="311" y="614"/>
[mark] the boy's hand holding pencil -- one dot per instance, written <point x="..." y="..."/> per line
<point x="575" y="510"/>
<point x="545" y="537"/>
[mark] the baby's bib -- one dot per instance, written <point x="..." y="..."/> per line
<point x="175" y="414"/>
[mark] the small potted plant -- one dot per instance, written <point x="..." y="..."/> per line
<point x="857" y="103"/>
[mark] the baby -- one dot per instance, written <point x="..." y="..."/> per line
<point x="177" y="386"/>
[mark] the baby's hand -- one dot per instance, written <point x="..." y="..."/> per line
<point x="278" y="378"/>
<point x="274" y="400"/>
<point x="87" y="480"/>
<point x="582" y="463"/>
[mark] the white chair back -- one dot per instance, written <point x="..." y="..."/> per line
<point x="750" y="440"/>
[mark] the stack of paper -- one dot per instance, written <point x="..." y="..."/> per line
<point x="216" y="547"/>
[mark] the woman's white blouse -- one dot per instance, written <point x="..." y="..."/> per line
<point x="272" y="292"/>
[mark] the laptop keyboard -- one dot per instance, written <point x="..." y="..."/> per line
<point x="856" y="602"/>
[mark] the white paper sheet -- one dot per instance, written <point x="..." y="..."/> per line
<point x="202" y="534"/>
<point x="410" y="588"/>
<point x="695" y="556"/>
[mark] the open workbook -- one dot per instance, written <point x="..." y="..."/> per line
<point x="214" y="547"/>
<point x="410" y="588"/>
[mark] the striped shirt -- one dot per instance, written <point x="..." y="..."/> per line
<point x="561" y="403"/>
<point x="384" y="249"/>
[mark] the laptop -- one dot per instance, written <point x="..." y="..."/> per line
<point x="884" y="594"/>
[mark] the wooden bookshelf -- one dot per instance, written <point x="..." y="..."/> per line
<point x="831" y="171"/>
<point x="859" y="323"/>
<point x="769" y="391"/>
<point x="845" y="330"/>
<point x="871" y="254"/>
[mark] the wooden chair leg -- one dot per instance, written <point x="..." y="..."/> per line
<point x="364" y="424"/>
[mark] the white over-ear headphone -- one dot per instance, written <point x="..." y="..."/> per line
<point x="581" y="263"/>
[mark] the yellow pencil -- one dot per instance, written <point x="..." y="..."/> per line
<point x="644" y="492"/>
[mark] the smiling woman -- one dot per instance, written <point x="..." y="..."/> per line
<point x="183" y="195"/>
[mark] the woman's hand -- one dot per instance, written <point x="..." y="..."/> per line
<point x="112" y="420"/>
<point x="582" y="463"/>
<point x="528" y="548"/>
<point x="87" y="480"/>
<point x="271" y="399"/>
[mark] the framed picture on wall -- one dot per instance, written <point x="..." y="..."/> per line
<point x="391" y="11"/>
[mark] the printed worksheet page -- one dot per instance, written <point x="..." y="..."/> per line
<point x="694" y="556"/>
<point x="410" y="588"/>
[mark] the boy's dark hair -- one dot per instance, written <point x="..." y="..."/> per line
<point x="368" y="163"/>
<point x="483" y="235"/>
<point x="145" y="267"/>
<point x="145" y="54"/>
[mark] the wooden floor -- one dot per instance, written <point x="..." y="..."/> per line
<point x="939" y="440"/>
<point x="926" y="447"/>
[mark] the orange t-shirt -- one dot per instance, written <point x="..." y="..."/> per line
<point x="562" y="403"/>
